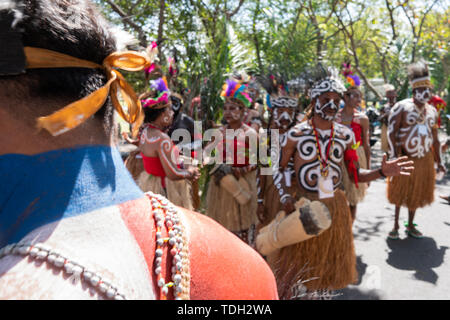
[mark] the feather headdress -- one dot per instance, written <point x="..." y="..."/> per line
<point x="351" y="78"/>
<point x="161" y="95"/>
<point x="324" y="80"/>
<point x="233" y="89"/>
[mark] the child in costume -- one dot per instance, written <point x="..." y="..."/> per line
<point x="359" y="124"/>
<point x="163" y="174"/>
<point x="231" y="195"/>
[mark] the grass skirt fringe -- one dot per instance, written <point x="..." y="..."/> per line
<point x="417" y="190"/>
<point x="352" y="193"/>
<point x="134" y="164"/>
<point x="179" y="192"/>
<point x="384" y="138"/>
<point x="327" y="261"/>
<point x="224" y="208"/>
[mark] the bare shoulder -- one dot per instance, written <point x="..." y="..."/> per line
<point x="343" y="133"/>
<point x="431" y="109"/>
<point x="362" y="118"/>
<point x="224" y="267"/>
<point x="300" y="129"/>
<point x="96" y="243"/>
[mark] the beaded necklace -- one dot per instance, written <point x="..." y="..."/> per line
<point x="324" y="163"/>
<point x="422" y="113"/>
<point x="167" y="215"/>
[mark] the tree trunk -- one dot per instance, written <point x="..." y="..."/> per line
<point x="162" y="7"/>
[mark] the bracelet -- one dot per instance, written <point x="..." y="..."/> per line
<point x="380" y="171"/>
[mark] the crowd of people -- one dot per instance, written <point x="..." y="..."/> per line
<point x="111" y="229"/>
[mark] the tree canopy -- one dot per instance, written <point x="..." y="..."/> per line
<point x="211" y="39"/>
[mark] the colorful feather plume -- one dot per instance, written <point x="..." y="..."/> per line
<point x="160" y="84"/>
<point x="352" y="80"/>
<point x="233" y="89"/>
<point x="162" y="94"/>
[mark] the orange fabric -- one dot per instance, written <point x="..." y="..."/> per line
<point x="79" y="111"/>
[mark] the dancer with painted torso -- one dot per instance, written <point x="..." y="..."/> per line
<point x="359" y="124"/>
<point x="231" y="195"/>
<point x="73" y="224"/>
<point x="164" y="172"/>
<point x="272" y="194"/>
<point x="319" y="146"/>
<point x="412" y="132"/>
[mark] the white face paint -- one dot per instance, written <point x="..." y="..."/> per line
<point x="319" y="109"/>
<point x="423" y="96"/>
<point x="284" y="116"/>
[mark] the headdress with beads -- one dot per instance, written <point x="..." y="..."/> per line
<point x="419" y="75"/>
<point x="326" y="80"/>
<point x="235" y="91"/>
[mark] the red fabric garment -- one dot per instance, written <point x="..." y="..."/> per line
<point x="356" y="128"/>
<point x="240" y="149"/>
<point x="153" y="166"/>
<point x="351" y="157"/>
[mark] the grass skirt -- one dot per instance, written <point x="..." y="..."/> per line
<point x="384" y="138"/>
<point x="271" y="199"/>
<point x="134" y="164"/>
<point x="327" y="261"/>
<point x="352" y="193"/>
<point x="224" y="208"/>
<point x="417" y="190"/>
<point x="179" y="192"/>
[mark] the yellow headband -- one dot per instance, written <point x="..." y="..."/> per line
<point x="79" y="111"/>
<point x="422" y="83"/>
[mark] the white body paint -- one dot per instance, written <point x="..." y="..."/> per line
<point x="110" y="251"/>
<point x="417" y="138"/>
<point x="309" y="172"/>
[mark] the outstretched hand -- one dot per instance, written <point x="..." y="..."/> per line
<point x="397" y="167"/>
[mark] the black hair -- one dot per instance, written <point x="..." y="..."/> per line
<point x="152" y="114"/>
<point x="74" y="28"/>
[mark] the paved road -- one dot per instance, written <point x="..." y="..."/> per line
<point x="401" y="269"/>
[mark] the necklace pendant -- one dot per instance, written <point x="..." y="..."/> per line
<point x="324" y="172"/>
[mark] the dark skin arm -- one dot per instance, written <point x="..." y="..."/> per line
<point x="261" y="184"/>
<point x="128" y="139"/>
<point x="437" y="150"/>
<point x="392" y="137"/>
<point x="397" y="167"/>
<point x="287" y="152"/>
